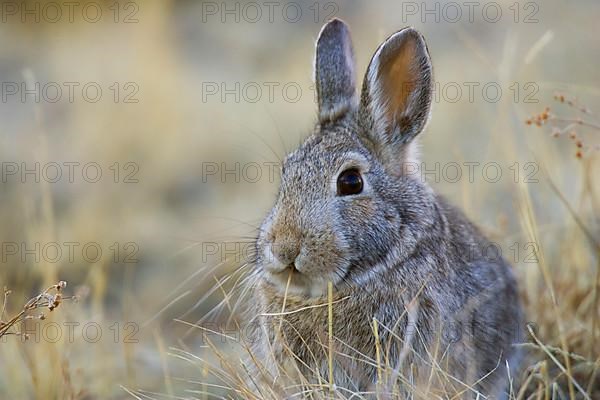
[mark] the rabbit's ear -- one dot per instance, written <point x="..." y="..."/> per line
<point x="396" y="93"/>
<point x="334" y="72"/>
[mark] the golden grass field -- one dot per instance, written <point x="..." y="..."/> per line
<point x="151" y="248"/>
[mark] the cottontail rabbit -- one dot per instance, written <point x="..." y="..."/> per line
<point x="420" y="307"/>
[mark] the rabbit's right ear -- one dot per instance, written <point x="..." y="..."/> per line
<point x="334" y="72"/>
<point x="396" y="94"/>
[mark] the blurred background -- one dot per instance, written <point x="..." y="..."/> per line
<point x="139" y="146"/>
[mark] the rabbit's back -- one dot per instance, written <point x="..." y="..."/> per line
<point x="483" y="309"/>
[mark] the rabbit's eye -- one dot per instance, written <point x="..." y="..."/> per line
<point x="349" y="182"/>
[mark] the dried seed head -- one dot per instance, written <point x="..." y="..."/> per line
<point x="55" y="302"/>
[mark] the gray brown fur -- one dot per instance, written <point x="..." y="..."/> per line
<point x="394" y="251"/>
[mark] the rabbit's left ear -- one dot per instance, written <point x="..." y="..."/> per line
<point x="396" y="94"/>
<point x="334" y="72"/>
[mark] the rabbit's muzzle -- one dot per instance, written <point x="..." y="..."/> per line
<point x="282" y="255"/>
<point x="301" y="259"/>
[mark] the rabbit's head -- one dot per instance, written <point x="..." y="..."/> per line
<point x="346" y="204"/>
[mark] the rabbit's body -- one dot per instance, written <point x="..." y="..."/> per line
<point x="445" y="302"/>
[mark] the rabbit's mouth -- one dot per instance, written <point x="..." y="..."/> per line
<point x="291" y="280"/>
<point x="292" y="266"/>
<point x="288" y="274"/>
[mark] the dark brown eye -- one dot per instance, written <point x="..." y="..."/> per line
<point x="349" y="182"/>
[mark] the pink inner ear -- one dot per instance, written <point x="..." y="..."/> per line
<point x="400" y="76"/>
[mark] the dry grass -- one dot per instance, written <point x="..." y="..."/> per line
<point x="184" y="341"/>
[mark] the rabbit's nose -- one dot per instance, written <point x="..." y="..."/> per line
<point x="285" y="251"/>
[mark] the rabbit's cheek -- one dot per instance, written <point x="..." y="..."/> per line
<point x="314" y="263"/>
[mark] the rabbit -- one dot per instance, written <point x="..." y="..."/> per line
<point x="417" y="301"/>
